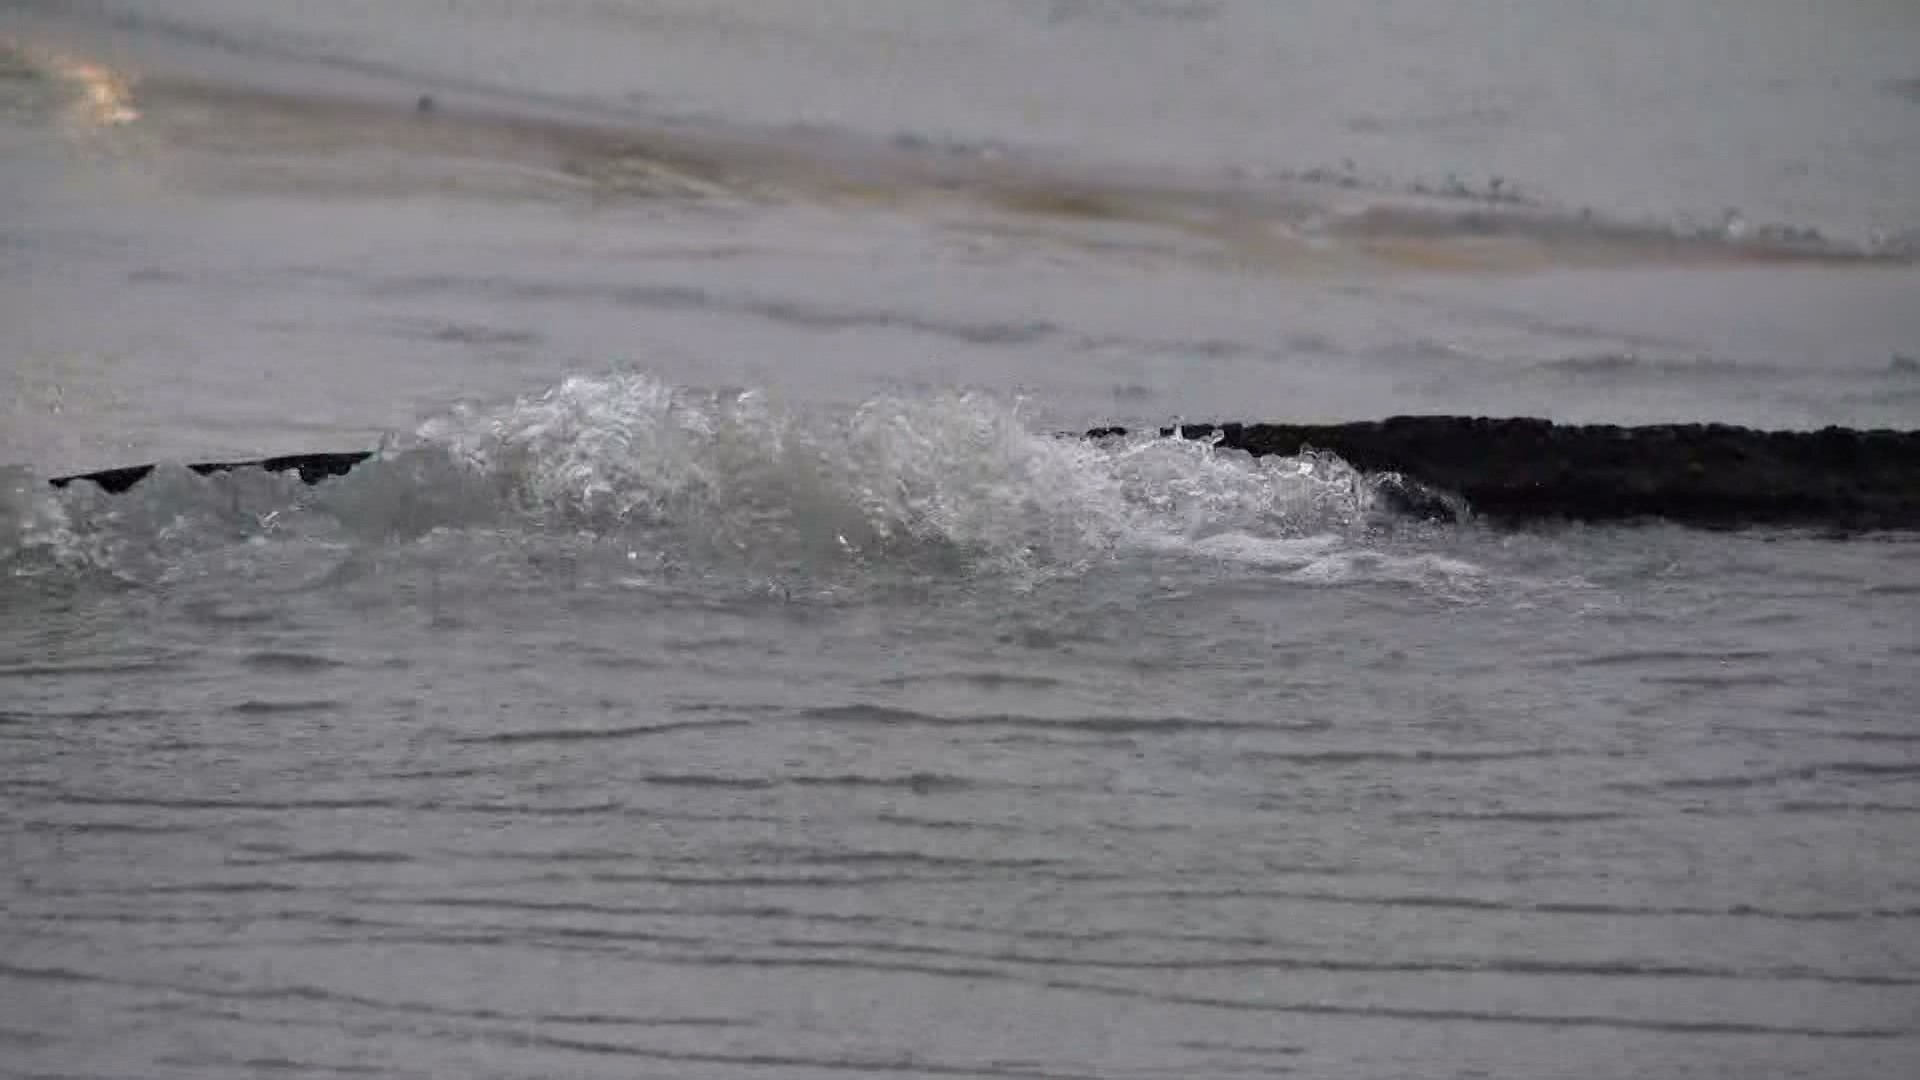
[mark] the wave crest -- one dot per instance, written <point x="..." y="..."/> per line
<point x="952" y="480"/>
<point x="957" y="472"/>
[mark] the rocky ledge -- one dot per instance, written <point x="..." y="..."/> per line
<point x="1522" y="470"/>
<point x="312" y="468"/>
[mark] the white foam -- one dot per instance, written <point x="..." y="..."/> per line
<point x="35" y="534"/>
<point x="958" y="472"/>
<point x="949" y="481"/>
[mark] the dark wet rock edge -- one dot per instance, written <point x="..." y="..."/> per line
<point x="1513" y="471"/>
<point x="1524" y="470"/>
<point x="312" y="468"/>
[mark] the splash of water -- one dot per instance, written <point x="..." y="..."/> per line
<point x="958" y="472"/>
<point x="950" y="481"/>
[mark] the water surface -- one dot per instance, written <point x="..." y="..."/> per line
<point x="724" y="670"/>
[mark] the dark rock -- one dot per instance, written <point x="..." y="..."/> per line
<point x="1407" y="497"/>
<point x="1712" y="475"/>
<point x="1518" y="470"/>
<point x="312" y="468"/>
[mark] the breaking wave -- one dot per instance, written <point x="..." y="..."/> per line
<point x="951" y="481"/>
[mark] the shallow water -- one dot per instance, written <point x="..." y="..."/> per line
<point x="724" y="670"/>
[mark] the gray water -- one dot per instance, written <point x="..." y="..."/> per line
<point x="724" y="670"/>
